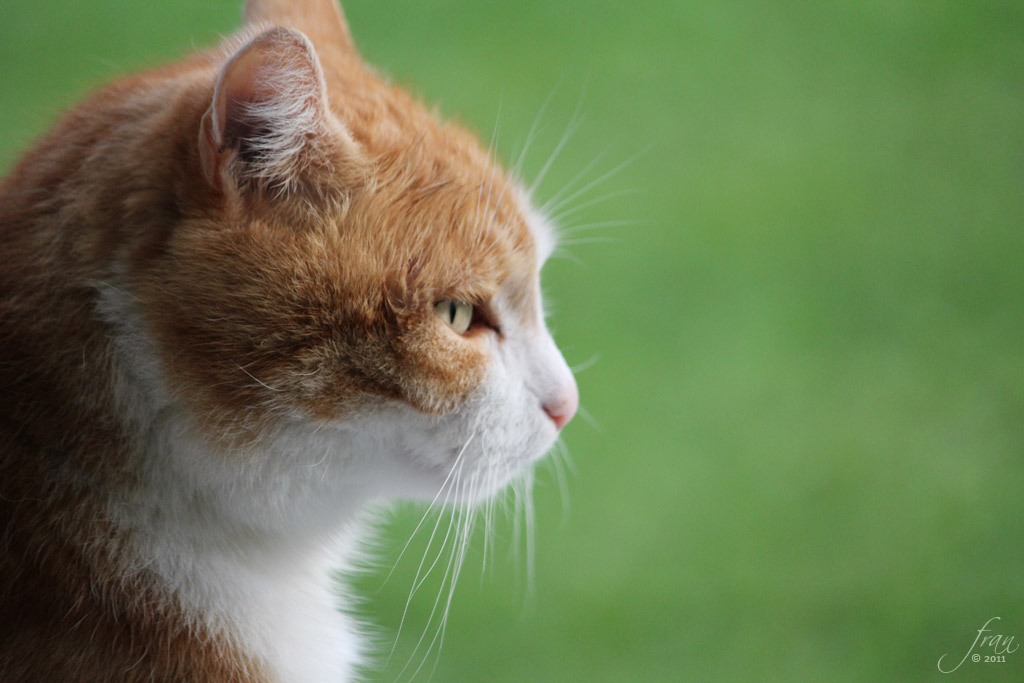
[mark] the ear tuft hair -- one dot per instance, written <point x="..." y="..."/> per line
<point x="269" y="117"/>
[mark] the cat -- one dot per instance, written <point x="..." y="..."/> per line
<point x="242" y="298"/>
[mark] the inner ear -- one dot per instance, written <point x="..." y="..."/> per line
<point x="240" y="123"/>
<point x="269" y="115"/>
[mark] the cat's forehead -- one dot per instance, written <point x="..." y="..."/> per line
<point x="448" y="227"/>
<point x="433" y="192"/>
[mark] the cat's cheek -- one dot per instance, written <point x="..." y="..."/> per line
<point x="441" y="370"/>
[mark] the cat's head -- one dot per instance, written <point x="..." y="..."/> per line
<point x="347" y="262"/>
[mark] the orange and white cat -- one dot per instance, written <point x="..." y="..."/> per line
<point x="242" y="297"/>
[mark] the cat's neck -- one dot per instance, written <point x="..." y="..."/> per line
<point x="249" y="552"/>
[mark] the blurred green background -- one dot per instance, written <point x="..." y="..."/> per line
<point x="801" y="313"/>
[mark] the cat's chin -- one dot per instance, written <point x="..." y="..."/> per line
<point x="468" y="491"/>
<point x="464" y="475"/>
<point x="466" y="456"/>
<point x="486" y="474"/>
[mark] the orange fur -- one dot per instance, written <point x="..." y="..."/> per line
<point x="307" y="291"/>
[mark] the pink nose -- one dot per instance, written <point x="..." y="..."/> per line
<point x="561" y="409"/>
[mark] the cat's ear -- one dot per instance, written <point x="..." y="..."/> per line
<point x="269" y="120"/>
<point x="321" y="20"/>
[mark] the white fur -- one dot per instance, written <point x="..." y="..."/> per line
<point x="545" y="239"/>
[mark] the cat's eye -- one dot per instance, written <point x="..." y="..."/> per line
<point x="456" y="314"/>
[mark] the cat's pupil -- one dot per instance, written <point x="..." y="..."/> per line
<point x="451" y="312"/>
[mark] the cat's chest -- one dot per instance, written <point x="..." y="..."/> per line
<point x="298" y="629"/>
<point x="290" y="621"/>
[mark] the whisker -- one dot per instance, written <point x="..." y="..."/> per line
<point x="463" y="548"/>
<point x="433" y="611"/>
<point x="488" y="509"/>
<point x="575" y="121"/>
<point x="584" y="227"/>
<point x="585" y="365"/>
<point x="517" y="531"/>
<point x="492" y="153"/>
<point x="589" y="419"/>
<point x="560" y="217"/>
<point x="492" y="510"/>
<point x="563" y="486"/>
<point x="533" y="132"/>
<point x="588" y="240"/>
<point x="566" y="255"/>
<point x="321" y="461"/>
<point x="553" y="208"/>
<point x="430" y="507"/>
<point x="449" y="577"/>
<point x="255" y="379"/>
<point x="417" y="581"/>
<point x="490" y="150"/>
<point x="528" y="522"/>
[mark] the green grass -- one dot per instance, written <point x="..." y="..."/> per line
<point x="810" y="375"/>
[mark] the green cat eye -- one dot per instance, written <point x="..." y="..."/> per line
<point x="455" y="314"/>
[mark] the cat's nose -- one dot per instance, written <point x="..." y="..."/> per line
<point x="562" y="407"/>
